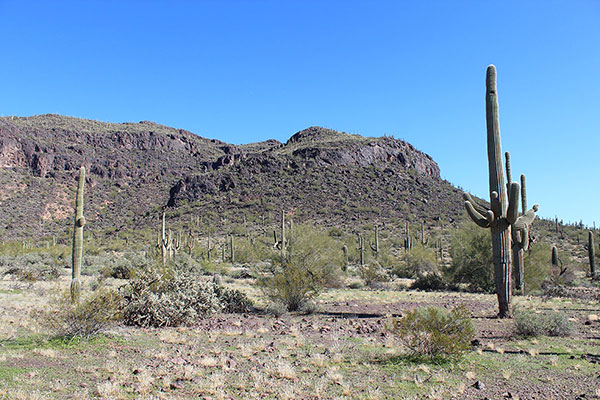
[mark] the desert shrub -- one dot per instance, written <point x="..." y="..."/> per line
<point x="372" y="273"/>
<point x="418" y="261"/>
<point x="276" y="309"/>
<point x="245" y="251"/>
<point x="538" y="265"/>
<point x="355" y="285"/>
<point x="93" y="313"/>
<point x="169" y="296"/>
<point x="232" y="300"/>
<point x="125" y="266"/>
<point x="309" y="266"/>
<point x="472" y="261"/>
<point x="30" y="267"/>
<point x="430" y="282"/>
<point x="434" y="332"/>
<point x="548" y="323"/>
<point x="550" y="289"/>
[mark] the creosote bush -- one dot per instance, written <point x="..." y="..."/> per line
<point x="547" y="323"/>
<point x="430" y="282"/>
<point x="472" y="261"/>
<point x="372" y="273"/>
<point x="169" y="296"/>
<point x="308" y="267"/>
<point x="94" y="312"/>
<point x="418" y="261"/>
<point x="434" y="332"/>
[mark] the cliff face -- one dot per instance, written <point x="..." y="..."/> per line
<point x="136" y="168"/>
<point x="130" y="166"/>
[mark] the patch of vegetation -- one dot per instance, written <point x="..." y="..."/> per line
<point x="169" y="296"/>
<point x="308" y="267"/>
<point x="434" y="332"/>
<point x="472" y="261"/>
<point x="93" y="313"/>
<point x="547" y="323"/>
<point x="30" y="267"/>
<point x="418" y="261"/>
<point x="430" y="282"/>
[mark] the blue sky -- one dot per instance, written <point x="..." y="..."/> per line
<point x="246" y="71"/>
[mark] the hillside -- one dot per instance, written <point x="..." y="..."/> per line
<point x="134" y="169"/>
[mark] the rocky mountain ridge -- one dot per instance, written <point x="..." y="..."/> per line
<point x="134" y="169"/>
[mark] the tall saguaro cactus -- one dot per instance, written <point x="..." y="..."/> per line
<point x="78" y="239"/>
<point x="504" y="200"/>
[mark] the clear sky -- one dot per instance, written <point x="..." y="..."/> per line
<point x="246" y="71"/>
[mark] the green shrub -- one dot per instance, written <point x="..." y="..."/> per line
<point x="309" y="266"/>
<point x="30" y="267"/>
<point x="93" y="313"/>
<point x="372" y="273"/>
<point x="538" y="265"/>
<point x="430" y="282"/>
<point x="435" y="332"/>
<point x="548" y="323"/>
<point x="169" y="296"/>
<point x="418" y="261"/>
<point x="472" y="262"/>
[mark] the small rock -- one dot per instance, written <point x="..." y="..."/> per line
<point x="478" y="385"/>
<point x="178" y="384"/>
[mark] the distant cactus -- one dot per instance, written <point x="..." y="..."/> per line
<point x="591" y="254"/>
<point x="361" y="249"/>
<point x="163" y="241"/>
<point x="231" y="249"/>
<point x="504" y="204"/>
<point x="78" y="239"/>
<point x="345" y="250"/>
<point x="557" y="265"/>
<point x="408" y="241"/>
<point x="282" y="236"/>
<point x="375" y="246"/>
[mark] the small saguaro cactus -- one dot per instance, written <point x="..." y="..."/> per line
<point x="504" y="209"/>
<point x="375" y="246"/>
<point x="282" y="236"/>
<point x="163" y="240"/>
<point x="361" y="248"/>
<point x="231" y="249"/>
<point x="345" y="250"/>
<point x="591" y="254"/>
<point x="557" y="265"/>
<point x="554" y="257"/>
<point x="78" y="239"/>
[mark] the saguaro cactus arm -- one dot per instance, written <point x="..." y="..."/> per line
<point x="476" y="215"/>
